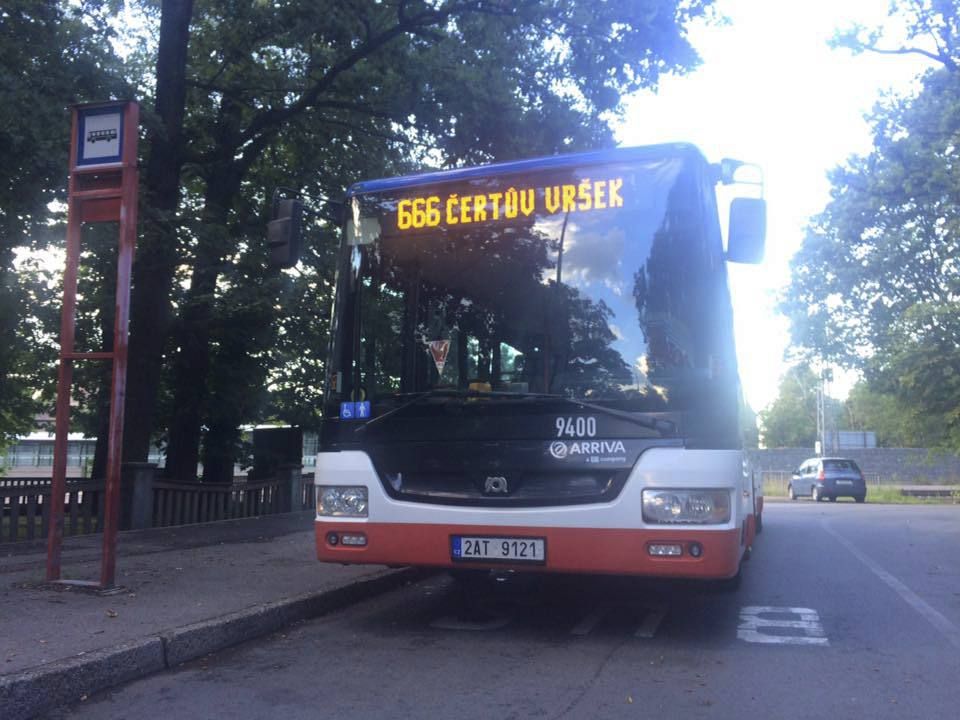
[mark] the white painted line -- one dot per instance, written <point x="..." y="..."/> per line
<point x="651" y="623"/>
<point x="950" y="631"/>
<point x="454" y="623"/>
<point x="753" y="622"/>
<point x="590" y="621"/>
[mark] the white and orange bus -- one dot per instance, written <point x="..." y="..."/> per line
<point x="533" y="368"/>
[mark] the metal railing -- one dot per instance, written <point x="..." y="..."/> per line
<point x="188" y="503"/>
<point x="25" y="504"/>
<point x="775" y="481"/>
<point x="25" y="509"/>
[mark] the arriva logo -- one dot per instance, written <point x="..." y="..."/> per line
<point x="558" y="449"/>
<point x="561" y="450"/>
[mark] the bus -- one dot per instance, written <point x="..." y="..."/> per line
<point x="532" y="367"/>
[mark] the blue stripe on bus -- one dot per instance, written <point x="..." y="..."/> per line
<point x="554" y="161"/>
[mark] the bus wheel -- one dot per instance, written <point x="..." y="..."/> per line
<point x="759" y="523"/>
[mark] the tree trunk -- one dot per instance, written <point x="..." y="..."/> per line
<point x="219" y="450"/>
<point x="192" y="364"/>
<point x="157" y="255"/>
<point x="237" y="379"/>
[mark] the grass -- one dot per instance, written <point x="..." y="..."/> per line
<point x="892" y="495"/>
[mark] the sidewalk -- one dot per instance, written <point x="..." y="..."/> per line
<point x="187" y="591"/>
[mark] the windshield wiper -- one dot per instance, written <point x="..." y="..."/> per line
<point x="414" y="399"/>
<point x="660" y="425"/>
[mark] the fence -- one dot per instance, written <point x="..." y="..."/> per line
<point x="25" y="508"/>
<point x="185" y="504"/>
<point x="883" y="466"/>
<point x="775" y="481"/>
<point x="25" y="504"/>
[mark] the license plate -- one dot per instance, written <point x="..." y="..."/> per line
<point x="844" y="482"/>
<point x="502" y="549"/>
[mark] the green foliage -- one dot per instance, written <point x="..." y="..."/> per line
<point x="896" y="422"/>
<point x="791" y="419"/>
<point x="51" y="54"/>
<point x="313" y="95"/>
<point x="929" y="28"/>
<point x="319" y="95"/>
<point x="876" y="284"/>
<point x="748" y="427"/>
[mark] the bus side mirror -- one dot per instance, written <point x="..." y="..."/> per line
<point x="747" y="230"/>
<point x="283" y="233"/>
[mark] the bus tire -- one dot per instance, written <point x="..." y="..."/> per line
<point x="759" y="523"/>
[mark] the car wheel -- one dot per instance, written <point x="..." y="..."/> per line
<point x="815" y="495"/>
<point x="790" y="493"/>
<point x="860" y="498"/>
<point x="833" y="498"/>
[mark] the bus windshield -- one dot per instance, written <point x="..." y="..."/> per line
<point x="598" y="282"/>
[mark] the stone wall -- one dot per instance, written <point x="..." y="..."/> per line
<point x="887" y="465"/>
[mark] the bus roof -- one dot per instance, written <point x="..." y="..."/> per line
<point x="517" y="166"/>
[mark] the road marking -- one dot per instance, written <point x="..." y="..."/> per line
<point x="950" y="631"/>
<point x="651" y="623"/>
<point x="752" y="624"/>
<point x="451" y="622"/>
<point x="590" y="621"/>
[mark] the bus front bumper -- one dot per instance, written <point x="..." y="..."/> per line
<point x="705" y="554"/>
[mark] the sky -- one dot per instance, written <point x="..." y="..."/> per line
<point x="770" y="91"/>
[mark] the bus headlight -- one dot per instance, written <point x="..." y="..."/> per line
<point x="342" y="501"/>
<point x="702" y="507"/>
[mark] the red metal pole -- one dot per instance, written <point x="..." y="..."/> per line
<point x="128" y="239"/>
<point x="58" y="484"/>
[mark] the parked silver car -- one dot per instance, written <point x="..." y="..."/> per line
<point x="828" y="478"/>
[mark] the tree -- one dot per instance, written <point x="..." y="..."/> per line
<point x="159" y="247"/>
<point x="748" y="426"/>
<point x="931" y="28"/>
<point x="51" y="54"/>
<point x="896" y="423"/>
<point x="875" y="285"/>
<point x="791" y="419"/>
<point x="367" y="88"/>
<point x="888" y="237"/>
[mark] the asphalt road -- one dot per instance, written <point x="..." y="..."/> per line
<point x="845" y="611"/>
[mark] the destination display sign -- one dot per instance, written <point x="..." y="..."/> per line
<point x="512" y="203"/>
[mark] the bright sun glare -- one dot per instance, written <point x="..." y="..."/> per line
<point x="771" y="91"/>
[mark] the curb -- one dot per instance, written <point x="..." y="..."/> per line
<point x="30" y="692"/>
